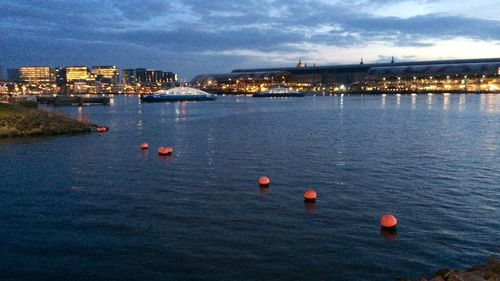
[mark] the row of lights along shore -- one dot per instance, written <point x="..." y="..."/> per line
<point x="388" y="222"/>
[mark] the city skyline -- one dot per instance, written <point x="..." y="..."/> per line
<point x="192" y="37"/>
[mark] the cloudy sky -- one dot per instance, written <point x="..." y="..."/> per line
<point x="213" y="36"/>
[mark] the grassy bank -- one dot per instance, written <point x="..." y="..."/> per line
<point x="18" y="121"/>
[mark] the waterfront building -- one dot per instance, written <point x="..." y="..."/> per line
<point x="370" y="76"/>
<point x="128" y="76"/>
<point x="79" y="87"/>
<point x="454" y="77"/>
<point x="59" y="76"/>
<point x="78" y="80"/>
<point x="105" y="74"/>
<point x="148" y="80"/>
<point x="118" y="88"/>
<point x="350" y="73"/>
<point x="76" y="73"/>
<point x="36" y="75"/>
<point x="105" y="78"/>
<point x="34" y="79"/>
<point x="241" y="83"/>
<point x="3" y="88"/>
<point x="153" y="76"/>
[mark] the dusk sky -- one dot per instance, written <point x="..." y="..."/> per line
<point x="190" y="37"/>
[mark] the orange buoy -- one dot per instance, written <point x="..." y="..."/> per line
<point x="144" y="146"/>
<point x="264" y="181"/>
<point x="388" y="221"/>
<point x="101" y="129"/>
<point x="165" y="150"/>
<point x="310" y="195"/>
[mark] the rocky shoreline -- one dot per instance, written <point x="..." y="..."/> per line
<point x="19" y="121"/>
<point x="487" y="272"/>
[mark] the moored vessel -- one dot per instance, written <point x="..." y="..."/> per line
<point x="178" y="94"/>
<point x="277" y="92"/>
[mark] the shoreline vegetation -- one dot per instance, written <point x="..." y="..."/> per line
<point x="21" y="121"/>
<point x="490" y="271"/>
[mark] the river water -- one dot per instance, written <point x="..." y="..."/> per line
<point x="95" y="207"/>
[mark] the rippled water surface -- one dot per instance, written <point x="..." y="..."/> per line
<point x="95" y="207"/>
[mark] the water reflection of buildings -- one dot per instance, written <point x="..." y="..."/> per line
<point x="446" y="102"/>
<point x="466" y="75"/>
<point x="490" y="103"/>
<point x="180" y="111"/>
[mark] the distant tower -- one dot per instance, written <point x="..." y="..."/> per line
<point x="392" y="60"/>
<point x="300" y="64"/>
<point x="361" y="62"/>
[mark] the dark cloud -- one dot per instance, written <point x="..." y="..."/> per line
<point x="192" y="36"/>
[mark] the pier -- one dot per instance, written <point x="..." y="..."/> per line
<point x="73" y="100"/>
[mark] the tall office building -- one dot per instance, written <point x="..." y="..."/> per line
<point x="76" y="73"/>
<point x="39" y="75"/>
<point x="59" y="76"/>
<point x="105" y="74"/>
<point x="148" y="77"/>
<point x="128" y="76"/>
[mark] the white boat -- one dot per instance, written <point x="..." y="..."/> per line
<point x="178" y="94"/>
<point x="278" y="92"/>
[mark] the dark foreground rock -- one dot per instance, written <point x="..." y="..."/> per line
<point x="17" y="121"/>
<point x="488" y="272"/>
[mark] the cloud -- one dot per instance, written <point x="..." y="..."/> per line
<point x="193" y="36"/>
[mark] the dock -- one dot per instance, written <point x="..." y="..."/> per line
<point x="73" y="100"/>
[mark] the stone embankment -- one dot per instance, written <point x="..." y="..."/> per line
<point x="19" y="121"/>
<point x="487" y="272"/>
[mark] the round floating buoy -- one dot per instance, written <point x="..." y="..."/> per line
<point x="310" y="195"/>
<point x="264" y="181"/>
<point x="144" y="146"/>
<point x="388" y="221"/>
<point x="165" y="150"/>
<point x="101" y="129"/>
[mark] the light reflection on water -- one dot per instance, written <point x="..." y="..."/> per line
<point x="446" y="102"/>
<point x="490" y="103"/>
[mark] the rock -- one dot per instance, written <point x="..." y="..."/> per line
<point x="455" y="277"/>
<point x="443" y="272"/>
<point x="493" y="277"/>
<point x="488" y="272"/>
<point x="473" y="277"/>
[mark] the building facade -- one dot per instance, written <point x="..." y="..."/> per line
<point x="105" y="74"/>
<point x="147" y="80"/>
<point x="39" y="75"/>
<point x="360" y="77"/>
<point x="76" y="73"/>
